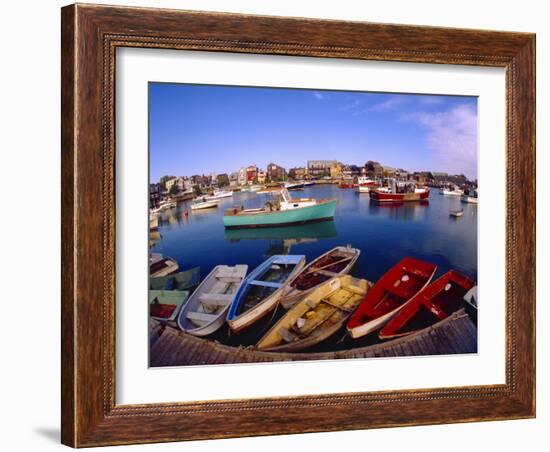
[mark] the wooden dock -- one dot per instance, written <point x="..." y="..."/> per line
<point x="455" y="335"/>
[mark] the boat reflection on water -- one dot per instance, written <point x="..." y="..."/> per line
<point x="399" y="210"/>
<point x="281" y="239"/>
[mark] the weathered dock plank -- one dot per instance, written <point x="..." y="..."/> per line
<point x="456" y="334"/>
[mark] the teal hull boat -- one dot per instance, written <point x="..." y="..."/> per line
<point x="258" y="218"/>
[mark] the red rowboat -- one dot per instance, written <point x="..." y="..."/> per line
<point x="433" y="304"/>
<point x="390" y="293"/>
<point x="384" y="195"/>
<point x="345" y="185"/>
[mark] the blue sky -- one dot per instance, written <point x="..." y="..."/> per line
<point x="199" y="129"/>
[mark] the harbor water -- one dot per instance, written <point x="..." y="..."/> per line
<point x="385" y="233"/>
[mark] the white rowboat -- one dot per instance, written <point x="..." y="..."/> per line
<point x="206" y="310"/>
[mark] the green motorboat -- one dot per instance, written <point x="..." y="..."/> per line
<point x="284" y="211"/>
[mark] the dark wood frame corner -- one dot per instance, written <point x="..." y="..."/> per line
<point x="90" y="35"/>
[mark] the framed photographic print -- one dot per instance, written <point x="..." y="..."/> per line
<point x="278" y="225"/>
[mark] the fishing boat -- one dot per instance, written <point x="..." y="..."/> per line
<point x="295" y="185"/>
<point x="262" y="289"/>
<point x="284" y="211"/>
<point x="399" y="192"/>
<point x="165" y="204"/>
<point x="161" y="266"/>
<point x="165" y="305"/>
<point x="390" y="293"/>
<point x="317" y="316"/>
<point x="365" y="184"/>
<point x="364" y="188"/>
<point x="457" y="213"/>
<point x="177" y="281"/>
<point x="436" y="302"/>
<point x="206" y="310"/>
<point x="183" y="196"/>
<point x="345" y="184"/>
<point x="204" y="204"/>
<point x="335" y="262"/>
<point x="219" y="195"/>
<point x="454" y="191"/>
<point x="470" y="197"/>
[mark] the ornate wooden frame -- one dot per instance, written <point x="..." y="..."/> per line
<point x="90" y="35"/>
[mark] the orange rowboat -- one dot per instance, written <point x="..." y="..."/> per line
<point x="436" y="302"/>
<point x="390" y="293"/>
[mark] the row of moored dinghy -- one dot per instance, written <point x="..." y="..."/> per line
<point x="321" y="298"/>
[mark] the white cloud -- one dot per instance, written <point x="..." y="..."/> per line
<point x="452" y="137"/>
<point x="430" y="100"/>
<point x="390" y="104"/>
<point x="319" y="96"/>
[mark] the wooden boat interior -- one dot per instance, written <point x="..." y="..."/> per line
<point x="396" y="287"/>
<point x="325" y="268"/>
<point x="437" y="302"/>
<point x="272" y="279"/>
<point x="213" y="296"/>
<point x="324" y="309"/>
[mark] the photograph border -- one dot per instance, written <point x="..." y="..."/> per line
<point x="90" y="36"/>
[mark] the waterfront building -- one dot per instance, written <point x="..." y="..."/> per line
<point x="423" y="177"/>
<point x="222" y="180"/>
<point x="347" y="172"/>
<point x="298" y="173"/>
<point x="234" y="179"/>
<point x="251" y="174"/>
<point x="440" y="177"/>
<point x="200" y="181"/>
<point x="178" y="182"/>
<point x="320" y="168"/>
<point x="336" y="171"/>
<point x="261" y="176"/>
<point x="241" y="177"/>
<point x="165" y="179"/>
<point x="458" y="179"/>
<point x="401" y="174"/>
<point x="155" y="194"/>
<point x="275" y="172"/>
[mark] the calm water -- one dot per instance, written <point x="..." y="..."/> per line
<point x="383" y="233"/>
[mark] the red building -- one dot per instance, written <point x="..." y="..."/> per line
<point x="251" y="173"/>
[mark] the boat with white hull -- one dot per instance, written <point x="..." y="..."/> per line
<point x="206" y="310"/>
<point x="204" y="204"/>
<point x="219" y="195"/>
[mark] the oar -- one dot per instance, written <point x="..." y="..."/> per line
<point x="329" y="265"/>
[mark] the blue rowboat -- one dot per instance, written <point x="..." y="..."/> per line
<point x="261" y="290"/>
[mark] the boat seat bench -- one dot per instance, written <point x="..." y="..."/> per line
<point x="265" y="284"/>
<point x="201" y="317"/>
<point x="401" y="291"/>
<point x="229" y="279"/>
